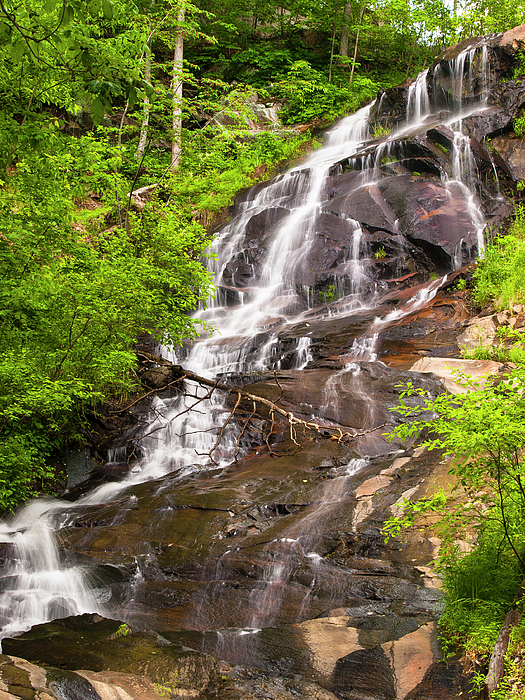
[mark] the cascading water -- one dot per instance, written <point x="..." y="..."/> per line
<point x="254" y="308"/>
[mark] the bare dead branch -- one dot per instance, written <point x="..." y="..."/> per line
<point x="153" y="391"/>
<point x="280" y="387"/>
<point x="245" y="425"/>
<point x="223" y="426"/>
<point x="187" y="410"/>
<point x="336" y="433"/>
<point x="267" y="436"/>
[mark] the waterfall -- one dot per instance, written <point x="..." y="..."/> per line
<point x="418" y="100"/>
<point x="277" y="293"/>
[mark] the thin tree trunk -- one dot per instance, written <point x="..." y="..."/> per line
<point x="178" y="53"/>
<point x="414" y="47"/>
<point x="356" y="43"/>
<point x="147" y="106"/>
<point x="345" y="33"/>
<point x="333" y="43"/>
<point x="497" y="660"/>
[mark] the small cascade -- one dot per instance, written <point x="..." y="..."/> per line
<point x="296" y="549"/>
<point x="418" y="100"/>
<point x="303" y="353"/>
<point x="365" y="347"/>
<point x="273" y="298"/>
<point x="465" y="80"/>
<point x="39" y="587"/>
<point x="463" y="167"/>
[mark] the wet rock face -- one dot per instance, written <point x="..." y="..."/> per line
<point x="411" y="220"/>
<point x="365" y="672"/>
<point x="410" y="223"/>
<point x="272" y="536"/>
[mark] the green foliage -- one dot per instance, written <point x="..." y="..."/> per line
<point x="308" y="95"/>
<point x="519" y="126"/>
<point x="499" y="274"/>
<point x="519" y="70"/>
<point x="381" y="131"/>
<point x="481" y="522"/>
<point x="74" y="297"/>
<point x="484" y="16"/>
<point x="510" y="348"/>
<point x="380" y="253"/>
<point x="327" y="296"/>
<point x="261" y="65"/>
<point x="219" y="164"/>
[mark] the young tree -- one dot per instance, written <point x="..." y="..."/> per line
<point x="176" y="86"/>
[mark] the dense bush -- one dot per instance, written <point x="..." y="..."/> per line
<point x="499" y="273"/>
<point x="308" y="95"/>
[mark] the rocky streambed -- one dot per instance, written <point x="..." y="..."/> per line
<point x="241" y="555"/>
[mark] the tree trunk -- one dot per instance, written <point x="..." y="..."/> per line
<point x="333" y="43"/>
<point x="357" y="43"/>
<point x="178" y="53"/>
<point x="345" y="33"/>
<point x="147" y="105"/>
<point x="497" y="660"/>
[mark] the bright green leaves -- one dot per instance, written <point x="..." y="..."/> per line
<point x="105" y="92"/>
<point x="50" y="51"/>
<point x="499" y="274"/>
<point x="96" y="7"/>
<point x="308" y="95"/>
<point x="97" y="110"/>
<point x="74" y="297"/>
<point x="481" y="521"/>
<point x="68" y="15"/>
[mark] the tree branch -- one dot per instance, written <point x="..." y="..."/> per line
<point x="326" y="431"/>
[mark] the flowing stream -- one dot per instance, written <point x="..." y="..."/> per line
<point x="38" y="584"/>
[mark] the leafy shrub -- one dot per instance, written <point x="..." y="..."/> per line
<point x="499" y="274"/>
<point x="221" y="164"/>
<point x="308" y="95"/>
<point x="519" y="70"/>
<point x="519" y="126"/>
<point x="261" y="65"/>
<point x="481" y="522"/>
<point x="73" y="298"/>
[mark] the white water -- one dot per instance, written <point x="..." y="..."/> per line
<point x="37" y="585"/>
<point x="299" y="541"/>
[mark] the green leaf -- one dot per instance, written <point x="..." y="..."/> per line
<point x="86" y="59"/>
<point x="148" y="88"/>
<point x="97" y="110"/>
<point x="94" y="86"/>
<point x="94" y="7"/>
<point x="18" y="50"/>
<point x="132" y="96"/>
<point x="107" y="9"/>
<point x="69" y="13"/>
<point x="114" y="88"/>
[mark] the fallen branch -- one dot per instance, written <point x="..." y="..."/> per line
<point x="333" y="432"/>
<point x="315" y="424"/>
